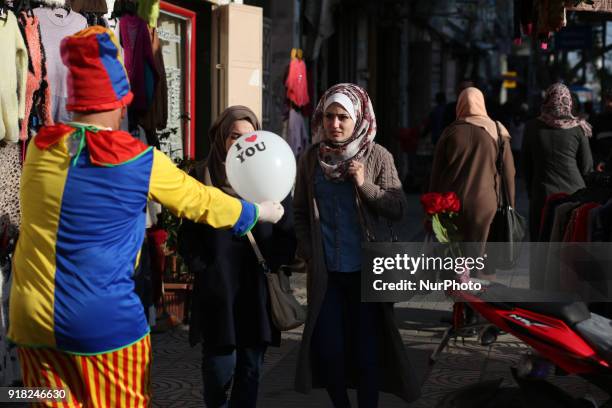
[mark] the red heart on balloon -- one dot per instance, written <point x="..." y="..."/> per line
<point x="251" y="138"/>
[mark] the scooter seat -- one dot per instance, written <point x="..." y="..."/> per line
<point x="563" y="306"/>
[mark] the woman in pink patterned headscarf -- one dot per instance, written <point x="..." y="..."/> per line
<point x="345" y="124"/>
<point x="556" y="111"/>
<point x="347" y="191"/>
<point x="555" y="154"/>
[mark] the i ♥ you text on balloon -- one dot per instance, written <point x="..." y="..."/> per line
<point x="260" y="166"/>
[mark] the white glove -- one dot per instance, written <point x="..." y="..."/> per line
<point x="270" y="211"/>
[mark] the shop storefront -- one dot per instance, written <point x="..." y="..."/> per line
<point x="176" y="29"/>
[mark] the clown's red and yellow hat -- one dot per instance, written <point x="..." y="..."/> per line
<point x="97" y="79"/>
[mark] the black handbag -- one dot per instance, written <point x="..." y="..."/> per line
<point x="508" y="225"/>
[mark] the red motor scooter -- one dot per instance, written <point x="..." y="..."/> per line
<point x="561" y="329"/>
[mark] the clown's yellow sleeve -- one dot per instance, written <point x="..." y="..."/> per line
<point x="188" y="198"/>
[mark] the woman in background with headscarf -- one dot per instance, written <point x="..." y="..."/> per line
<point x="347" y="189"/>
<point x="556" y="153"/>
<point x="464" y="163"/>
<point x="230" y="311"/>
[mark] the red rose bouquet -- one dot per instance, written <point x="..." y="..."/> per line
<point x="442" y="208"/>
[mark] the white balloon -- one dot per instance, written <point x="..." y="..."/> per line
<point x="260" y="166"/>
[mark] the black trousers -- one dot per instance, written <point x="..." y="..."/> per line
<point x="346" y="340"/>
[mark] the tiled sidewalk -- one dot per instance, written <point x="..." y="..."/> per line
<point x="177" y="380"/>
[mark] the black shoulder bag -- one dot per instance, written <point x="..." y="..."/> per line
<point x="508" y="225"/>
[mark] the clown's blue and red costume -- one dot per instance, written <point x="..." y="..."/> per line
<point x="74" y="314"/>
<point x="77" y="253"/>
<point x="84" y="201"/>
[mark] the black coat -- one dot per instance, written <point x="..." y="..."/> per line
<point x="554" y="161"/>
<point x="230" y="304"/>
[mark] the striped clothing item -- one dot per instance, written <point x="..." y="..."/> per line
<point x="121" y="378"/>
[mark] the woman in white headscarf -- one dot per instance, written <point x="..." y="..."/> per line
<point x="347" y="190"/>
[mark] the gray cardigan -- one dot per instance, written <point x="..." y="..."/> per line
<point x="380" y="198"/>
<point x="381" y="195"/>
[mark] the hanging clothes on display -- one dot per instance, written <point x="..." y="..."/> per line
<point x="38" y="93"/>
<point x="551" y="17"/>
<point x="120" y="8"/>
<point x="523" y="19"/>
<point x="139" y="62"/>
<point x="89" y="6"/>
<point x="571" y="217"/>
<point x="14" y="74"/>
<point x="55" y="24"/>
<point x="297" y="136"/>
<point x="296" y="82"/>
<point x="148" y="10"/>
<point x="584" y="216"/>
<point x="539" y="19"/>
<point x="92" y="10"/>
<point x="156" y="117"/>
<point x="113" y="22"/>
<point x="13" y="79"/>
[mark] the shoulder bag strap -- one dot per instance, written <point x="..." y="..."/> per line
<point x="260" y="258"/>
<point x="504" y="197"/>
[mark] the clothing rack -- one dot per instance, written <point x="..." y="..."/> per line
<point x="598" y="190"/>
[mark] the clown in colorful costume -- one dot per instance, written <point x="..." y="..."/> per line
<point x="73" y="310"/>
<point x="84" y="222"/>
